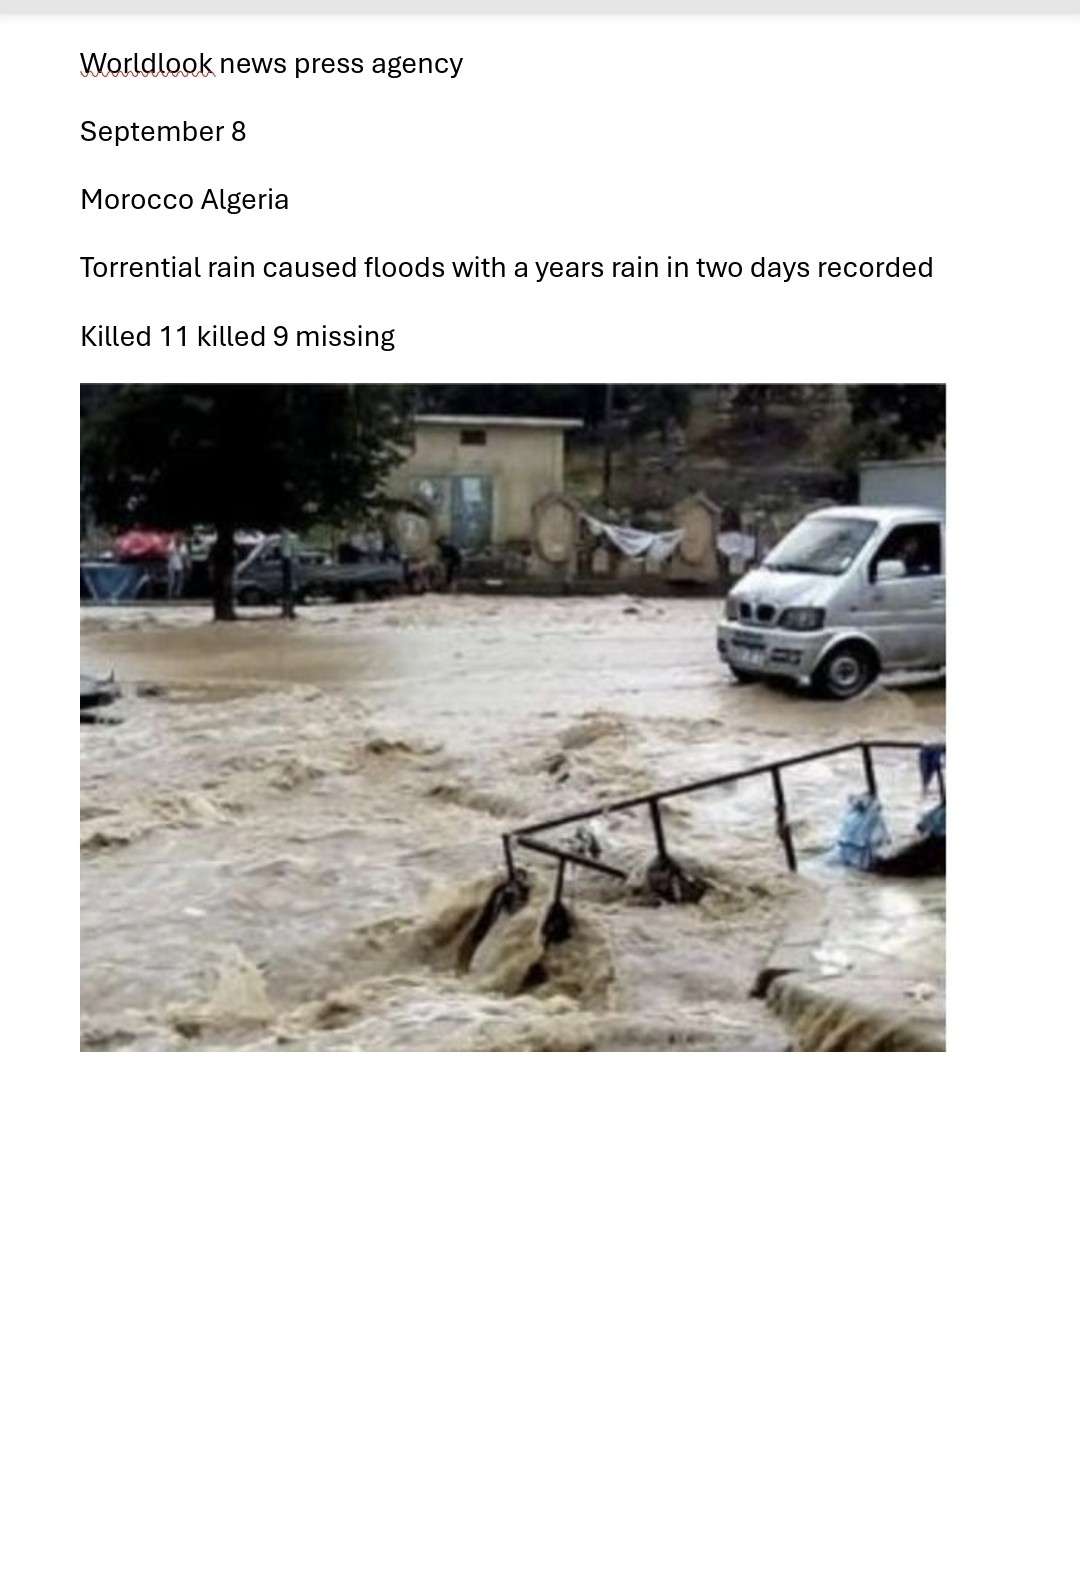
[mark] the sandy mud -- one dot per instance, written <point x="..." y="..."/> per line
<point x="288" y="839"/>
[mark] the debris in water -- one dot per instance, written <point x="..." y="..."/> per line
<point x="97" y="691"/>
<point x="586" y="841"/>
<point x="672" y="883"/>
<point x="237" y="1002"/>
<point x="831" y="963"/>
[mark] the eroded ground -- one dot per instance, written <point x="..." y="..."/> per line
<point x="288" y="836"/>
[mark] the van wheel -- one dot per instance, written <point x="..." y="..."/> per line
<point x="744" y="677"/>
<point x="844" y="672"/>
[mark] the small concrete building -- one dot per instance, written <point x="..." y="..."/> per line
<point x="479" y="476"/>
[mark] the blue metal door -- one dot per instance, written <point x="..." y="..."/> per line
<point x="471" y="511"/>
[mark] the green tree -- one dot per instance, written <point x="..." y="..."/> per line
<point x="897" y="417"/>
<point x="239" y="455"/>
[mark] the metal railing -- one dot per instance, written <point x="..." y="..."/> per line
<point x="526" y="836"/>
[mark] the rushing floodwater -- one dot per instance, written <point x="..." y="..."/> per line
<point x="287" y="837"/>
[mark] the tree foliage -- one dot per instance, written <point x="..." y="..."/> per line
<point x="898" y="416"/>
<point x="241" y="454"/>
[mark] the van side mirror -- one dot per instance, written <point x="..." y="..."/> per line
<point x="889" y="569"/>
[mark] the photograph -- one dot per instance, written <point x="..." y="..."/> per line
<point x="512" y="717"/>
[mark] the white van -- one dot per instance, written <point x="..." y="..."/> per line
<point x="848" y="593"/>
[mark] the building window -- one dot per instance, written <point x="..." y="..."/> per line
<point x="474" y="439"/>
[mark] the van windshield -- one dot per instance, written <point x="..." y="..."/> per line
<point x="827" y="545"/>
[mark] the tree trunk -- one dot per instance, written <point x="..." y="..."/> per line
<point x="222" y="571"/>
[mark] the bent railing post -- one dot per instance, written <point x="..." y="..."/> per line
<point x="508" y="854"/>
<point x="783" y="829"/>
<point x="658" y="829"/>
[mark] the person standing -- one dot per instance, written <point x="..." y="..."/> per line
<point x="450" y="553"/>
<point x="287" y="548"/>
<point x="175" y="569"/>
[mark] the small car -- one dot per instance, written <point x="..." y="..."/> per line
<point x="849" y="593"/>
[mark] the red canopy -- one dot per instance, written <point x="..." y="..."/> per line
<point x="138" y="546"/>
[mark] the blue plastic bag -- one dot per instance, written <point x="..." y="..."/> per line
<point x="931" y="763"/>
<point x="933" y="821"/>
<point x="862" y="833"/>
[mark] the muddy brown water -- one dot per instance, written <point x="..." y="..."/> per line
<point x="289" y="835"/>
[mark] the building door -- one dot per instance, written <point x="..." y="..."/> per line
<point x="471" y="511"/>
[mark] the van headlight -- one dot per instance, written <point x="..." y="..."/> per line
<point x="803" y="619"/>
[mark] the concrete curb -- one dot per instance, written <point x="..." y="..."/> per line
<point x="821" y="1018"/>
<point x="866" y="1013"/>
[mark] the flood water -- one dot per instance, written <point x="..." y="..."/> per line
<point x="288" y="835"/>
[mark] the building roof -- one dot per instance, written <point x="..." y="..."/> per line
<point x="541" y="422"/>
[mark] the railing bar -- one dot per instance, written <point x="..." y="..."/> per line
<point x="699" y="786"/>
<point x="569" y="857"/>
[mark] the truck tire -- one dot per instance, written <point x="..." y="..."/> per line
<point x="250" y="595"/>
<point x="845" y="671"/>
<point x="744" y="677"/>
